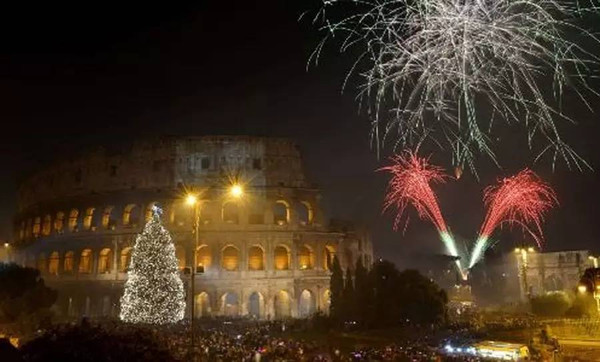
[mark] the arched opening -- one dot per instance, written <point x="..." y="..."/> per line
<point x="202" y="306"/>
<point x="37" y="224"/>
<point x="180" y="255"/>
<point x="108" y="222"/>
<point x="256" y="305"/>
<point x="282" y="305"/>
<point x="230" y="259"/>
<point x="28" y="228"/>
<point x="306" y="304"/>
<point x="88" y="219"/>
<point x="22" y="231"/>
<point x="105" y="261"/>
<point x="131" y="215"/>
<point x="305" y="258"/>
<point x="47" y="226"/>
<point x="328" y="255"/>
<point x="53" y="263"/>
<point x="41" y="263"/>
<point x="281" y="212"/>
<point x="230" y="304"/>
<point x="204" y="257"/>
<point x="206" y="208"/>
<point x="231" y="213"/>
<point x="125" y="259"/>
<point x="326" y="300"/>
<point x="149" y="211"/>
<point x="73" y="220"/>
<point x="85" y="261"/>
<point x="282" y="258"/>
<point x="68" y="262"/>
<point x="256" y="258"/>
<point x="59" y="222"/>
<point x="305" y="213"/>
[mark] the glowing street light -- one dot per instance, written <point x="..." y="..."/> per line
<point x="582" y="289"/>
<point x="236" y="191"/>
<point x="191" y="199"/>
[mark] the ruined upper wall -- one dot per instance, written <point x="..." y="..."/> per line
<point x="167" y="164"/>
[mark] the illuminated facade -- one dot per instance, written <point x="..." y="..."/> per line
<point x="263" y="253"/>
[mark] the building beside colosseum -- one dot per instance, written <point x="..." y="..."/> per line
<point x="265" y="254"/>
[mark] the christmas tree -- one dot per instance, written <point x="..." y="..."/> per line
<point x="153" y="291"/>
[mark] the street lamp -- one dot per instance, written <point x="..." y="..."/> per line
<point x="236" y="191"/>
<point x="192" y="201"/>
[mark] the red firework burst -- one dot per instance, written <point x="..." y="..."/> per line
<point x="522" y="199"/>
<point x="410" y="185"/>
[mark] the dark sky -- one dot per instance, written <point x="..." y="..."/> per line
<point x="75" y="77"/>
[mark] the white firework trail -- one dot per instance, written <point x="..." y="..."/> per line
<point x="446" y="70"/>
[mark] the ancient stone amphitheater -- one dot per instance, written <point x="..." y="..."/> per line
<point x="263" y="253"/>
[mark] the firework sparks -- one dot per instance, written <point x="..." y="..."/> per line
<point x="522" y="200"/>
<point x="411" y="181"/>
<point x="432" y="65"/>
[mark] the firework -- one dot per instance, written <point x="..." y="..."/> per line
<point x="411" y="181"/>
<point x="519" y="200"/>
<point x="430" y="66"/>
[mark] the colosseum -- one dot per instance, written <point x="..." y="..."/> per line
<point x="263" y="252"/>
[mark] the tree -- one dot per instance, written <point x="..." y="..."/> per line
<point x="421" y="300"/>
<point x="348" y="298"/>
<point x="24" y="297"/>
<point x="336" y="288"/>
<point x="154" y="290"/>
<point x="363" y="292"/>
<point x="553" y="304"/>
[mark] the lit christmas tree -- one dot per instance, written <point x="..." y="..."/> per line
<point x="153" y="291"/>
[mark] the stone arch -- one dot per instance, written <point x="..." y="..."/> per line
<point x="306" y="304"/>
<point x="326" y="300"/>
<point x="256" y="258"/>
<point x="41" y="263"/>
<point x="108" y="222"/>
<point x="59" y="222"/>
<point x="125" y="259"/>
<point x="88" y="219"/>
<point x="202" y="305"/>
<point x="230" y="213"/>
<point x="282" y="305"/>
<point x="47" y="225"/>
<point x="131" y="215"/>
<point x="281" y="212"/>
<point x="230" y="258"/>
<point x="305" y="213"/>
<point x="37" y="226"/>
<point x="53" y="263"/>
<point x="256" y="305"/>
<point x="230" y="304"/>
<point x="553" y="283"/>
<point x="105" y="261"/>
<point x="281" y="257"/>
<point x="329" y="253"/>
<point x="74" y="220"/>
<point x="149" y="213"/>
<point x="68" y="262"/>
<point x="204" y="257"/>
<point x="305" y="257"/>
<point x="206" y="210"/>
<point x="85" y="261"/>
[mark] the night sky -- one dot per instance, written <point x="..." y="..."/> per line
<point x="76" y="77"/>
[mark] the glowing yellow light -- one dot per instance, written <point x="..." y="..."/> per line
<point x="191" y="200"/>
<point x="531" y="250"/>
<point x="6" y="245"/>
<point x="582" y="289"/>
<point x="236" y="191"/>
<point x="517" y="250"/>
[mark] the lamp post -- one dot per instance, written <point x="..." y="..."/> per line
<point x="524" y="263"/>
<point x="192" y="201"/>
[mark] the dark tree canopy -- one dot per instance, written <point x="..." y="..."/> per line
<point x="23" y="293"/>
